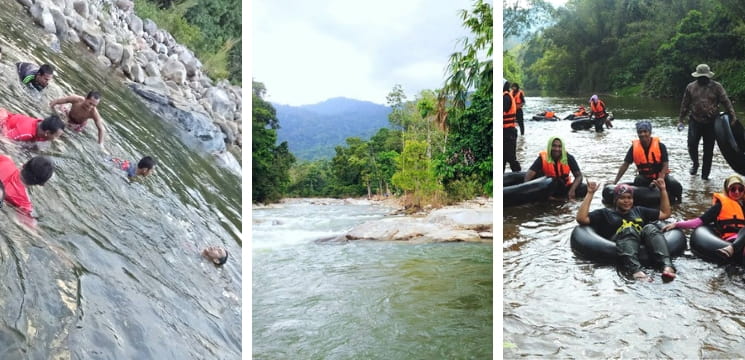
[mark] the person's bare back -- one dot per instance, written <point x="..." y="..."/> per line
<point x="82" y="109"/>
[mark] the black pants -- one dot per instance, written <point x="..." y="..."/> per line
<point x="739" y="244"/>
<point x="674" y="189"/>
<point x="697" y="130"/>
<point x="520" y="121"/>
<point x="510" y="149"/>
<point x="630" y="239"/>
<point x="599" y="122"/>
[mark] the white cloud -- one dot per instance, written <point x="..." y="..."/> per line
<point x="307" y="52"/>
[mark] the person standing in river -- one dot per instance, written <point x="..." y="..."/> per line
<point x="700" y="105"/>
<point x="629" y="226"/>
<point x="509" y="130"/>
<point x="80" y="110"/>
<point x="598" y="110"/>
<point x="519" y="97"/>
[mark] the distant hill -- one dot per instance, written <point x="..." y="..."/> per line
<point x="312" y="131"/>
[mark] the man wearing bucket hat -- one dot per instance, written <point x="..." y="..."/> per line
<point x="700" y="105"/>
<point x="649" y="155"/>
<point x="629" y="226"/>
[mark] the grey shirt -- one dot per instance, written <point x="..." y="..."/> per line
<point x="701" y="103"/>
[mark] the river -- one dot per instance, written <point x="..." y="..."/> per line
<point x="112" y="269"/>
<point x="558" y="306"/>
<point x="363" y="299"/>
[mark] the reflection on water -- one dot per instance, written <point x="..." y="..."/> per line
<point x="364" y="299"/>
<point x="112" y="270"/>
<point x="558" y="306"/>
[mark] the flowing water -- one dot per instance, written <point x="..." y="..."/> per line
<point x="559" y="306"/>
<point x="363" y="299"/>
<point x="111" y="270"/>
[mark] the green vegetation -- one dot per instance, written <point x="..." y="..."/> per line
<point x="211" y="29"/>
<point x="439" y="146"/>
<point x="270" y="163"/>
<point x="628" y="46"/>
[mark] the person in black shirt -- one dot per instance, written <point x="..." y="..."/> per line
<point x="557" y="163"/>
<point x="628" y="226"/>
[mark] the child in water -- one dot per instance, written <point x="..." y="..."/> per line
<point x="144" y="167"/>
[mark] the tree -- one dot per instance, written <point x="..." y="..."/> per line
<point x="466" y="69"/>
<point x="270" y="162"/>
<point x="416" y="176"/>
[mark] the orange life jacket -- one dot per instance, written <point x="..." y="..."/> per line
<point x="598" y="109"/>
<point x="549" y="114"/>
<point x="509" y="118"/>
<point x="580" y="113"/>
<point x="518" y="96"/>
<point x="555" y="170"/>
<point x="645" y="161"/>
<point x="730" y="219"/>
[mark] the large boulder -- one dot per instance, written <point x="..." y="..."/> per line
<point x="149" y="26"/>
<point x="60" y="21"/>
<point x="198" y="126"/>
<point x="409" y="229"/>
<point x="43" y="17"/>
<point x="220" y="102"/>
<point x="114" y="52"/>
<point x="151" y="69"/>
<point x="93" y="38"/>
<point x="135" y="24"/>
<point x="472" y="219"/>
<point x="81" y="7"/>
<point x="174" y="70"/>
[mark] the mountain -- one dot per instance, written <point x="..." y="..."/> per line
<point x="312" y="131"/>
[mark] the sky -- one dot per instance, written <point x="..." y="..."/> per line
<point x="305" y="52"/>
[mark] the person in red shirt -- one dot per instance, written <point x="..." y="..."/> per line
<point x="36" y="171"/>
<point x="20" y="127"/>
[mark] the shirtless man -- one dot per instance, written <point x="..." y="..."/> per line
<point x="81" y="109"/>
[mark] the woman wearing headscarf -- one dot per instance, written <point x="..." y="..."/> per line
<point x="555" y="162"/>
<point x="726" y="216"/>
<point x="597" y="109"/>
<point x="629" y="226"/>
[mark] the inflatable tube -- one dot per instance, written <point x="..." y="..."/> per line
<point x="527" y="192"/>
<point x="575" y="117"/>
<point x="587" y="244"/>
<point x="731" y="142"/>
<point x="705" y="243"/>
<point x="643" y="196"/>
<point x="543" y="118"/>
<point x="583" y="124"/>
<point x="513" y="178"/>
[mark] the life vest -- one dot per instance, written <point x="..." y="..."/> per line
<point x="645" y="161"/>
<point x="549" y="114"/>
<point x="598" y="109"/>
<point x="555" y="170"/>
<point x="730" y="219"/>
<point x="518" y="98"/>
<point x="580" y="113"/>
<point x="509" y="118"/>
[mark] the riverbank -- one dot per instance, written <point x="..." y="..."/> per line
<point x="467" y="221"/>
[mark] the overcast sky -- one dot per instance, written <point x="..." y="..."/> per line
<point x="308" y="51"/>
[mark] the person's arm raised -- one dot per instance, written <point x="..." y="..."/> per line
<point x="583" y="214"/>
